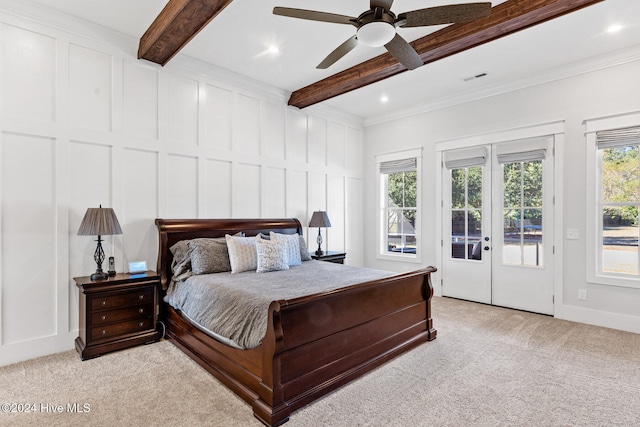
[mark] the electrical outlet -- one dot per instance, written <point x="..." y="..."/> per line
<point x="582" y="294"/>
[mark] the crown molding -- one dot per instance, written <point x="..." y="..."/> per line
<point x="613" y="59"/>
<point x="61" y="22"/>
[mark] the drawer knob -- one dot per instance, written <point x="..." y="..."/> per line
<point x="104" y="317"/>
<point x="141" y="310"/>
<point x="104" y="303"/>
<point x="104" y="332"/>
<point x="141" y="297"/>
<point x="141" y="324"/>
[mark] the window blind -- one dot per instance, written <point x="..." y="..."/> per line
<point x="402" y="165"/>
<point x="466" y="158"/>
<point x="522" y="151"/>
<point x="618" y="137"/>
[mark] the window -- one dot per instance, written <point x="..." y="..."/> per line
<point x="613" y="206"/>
<point x="399" y="185"/>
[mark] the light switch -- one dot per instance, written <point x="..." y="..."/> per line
<point x="573" y="234"/>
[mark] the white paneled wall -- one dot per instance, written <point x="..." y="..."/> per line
<point x="84" y="123"/>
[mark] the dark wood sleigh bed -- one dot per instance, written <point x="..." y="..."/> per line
<point x="313" y="344"/>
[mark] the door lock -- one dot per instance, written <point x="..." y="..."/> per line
<point x="486" y="248"/>
<point x="486" y="239"/>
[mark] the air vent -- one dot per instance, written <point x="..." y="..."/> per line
<point x="477" y="76"/>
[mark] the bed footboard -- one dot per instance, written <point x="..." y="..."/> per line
<point x="316" y="344"/>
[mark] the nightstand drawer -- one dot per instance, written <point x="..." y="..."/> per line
<point x="118" y="315"/>
<point x="118" y="329"/>
<point x="120" y="299"/>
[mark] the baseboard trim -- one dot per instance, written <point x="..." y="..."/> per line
<point x="605" y="319"/>
<point x="25" y="350"/>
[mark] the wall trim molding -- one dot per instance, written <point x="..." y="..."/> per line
<point x="614" y="59"/>
<point x="604" y="319"/>
<point x="26" y="350"/>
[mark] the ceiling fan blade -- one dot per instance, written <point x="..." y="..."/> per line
<point x="445" y="14"/>
<point x="312" y="15"/>
<point x="338" y="53"/>
<point x="404" y="53"/>
<point x="385" y="4"/>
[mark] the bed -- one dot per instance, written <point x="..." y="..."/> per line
<point x="313" y="344"/>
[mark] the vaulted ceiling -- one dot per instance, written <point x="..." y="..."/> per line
<point x="236" y="36"/>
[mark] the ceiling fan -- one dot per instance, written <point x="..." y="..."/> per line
<point x="377" y="26"/>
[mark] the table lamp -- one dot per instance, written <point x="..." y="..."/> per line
<point x="319" y="219"/>
<point x="99" y="222"/>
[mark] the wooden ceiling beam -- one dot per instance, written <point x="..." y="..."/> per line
<point x="505" y="18"/>
<point x="175" y="26"/>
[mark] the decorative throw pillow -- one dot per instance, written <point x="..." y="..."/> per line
<point x="242" y="253"/>
<point x="304" y="250"/>
<point x="209" y="255"/>
<point x="181" y="261"/>
<point x="292" y="246"/>
<point x="272" y="255"/>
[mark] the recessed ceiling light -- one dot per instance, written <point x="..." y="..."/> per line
<point x="384" y="99"/>
<point x="273" y="49"/>
<point x="614" y="28"/>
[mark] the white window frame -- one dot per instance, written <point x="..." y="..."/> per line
<point x="381" y="190"/>
<point x="594" y="202"/>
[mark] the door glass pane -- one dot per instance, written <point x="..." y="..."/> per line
<point x="620" y="239"/>
<point x="475" y="187"/>
<point x="474" y="240"/>
<point x="532" y="237"/>
<point x="458" y="188"/>
<point x="511" y="253"/>
<point x="512" y="185"/>
<point x="458" y="234"/>
<point x="532" y="183"/>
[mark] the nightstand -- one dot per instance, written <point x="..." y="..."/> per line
<point x="330" y="256"/>
<point x="117" y="313"/>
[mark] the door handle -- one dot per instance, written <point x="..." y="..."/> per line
<point x="486" y="248"/>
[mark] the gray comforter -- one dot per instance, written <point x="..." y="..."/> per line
<point x="235" y="306"/>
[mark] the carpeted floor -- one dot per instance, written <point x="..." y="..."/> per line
<point x="488" y="367"/>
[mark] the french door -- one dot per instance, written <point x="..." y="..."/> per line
<point x="497" y="212"/>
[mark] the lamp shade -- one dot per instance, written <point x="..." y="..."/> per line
<point x="319" y="219"/>
<point x="99" y="222"/>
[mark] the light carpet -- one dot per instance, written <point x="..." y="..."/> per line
<point x="489" y="366"/>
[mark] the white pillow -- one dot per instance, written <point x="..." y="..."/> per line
<point x="292" y="245"/>
<point x="242" y="253"/>
<point x="272" y="255"/>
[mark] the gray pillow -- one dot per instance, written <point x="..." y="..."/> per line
<point x="209" y="255"/>
<point x="304" y="250"/>
<point x="181" y="262"/>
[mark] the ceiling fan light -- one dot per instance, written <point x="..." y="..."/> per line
<point x="376" y="33"/>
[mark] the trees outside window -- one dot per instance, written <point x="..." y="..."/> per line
<point x="613" y="200"/>
<point x="401" y="212"/>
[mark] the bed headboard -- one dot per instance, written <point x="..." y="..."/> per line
<point x="171" y="231"/>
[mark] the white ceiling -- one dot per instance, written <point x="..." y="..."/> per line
<point x="238" y="39"/>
